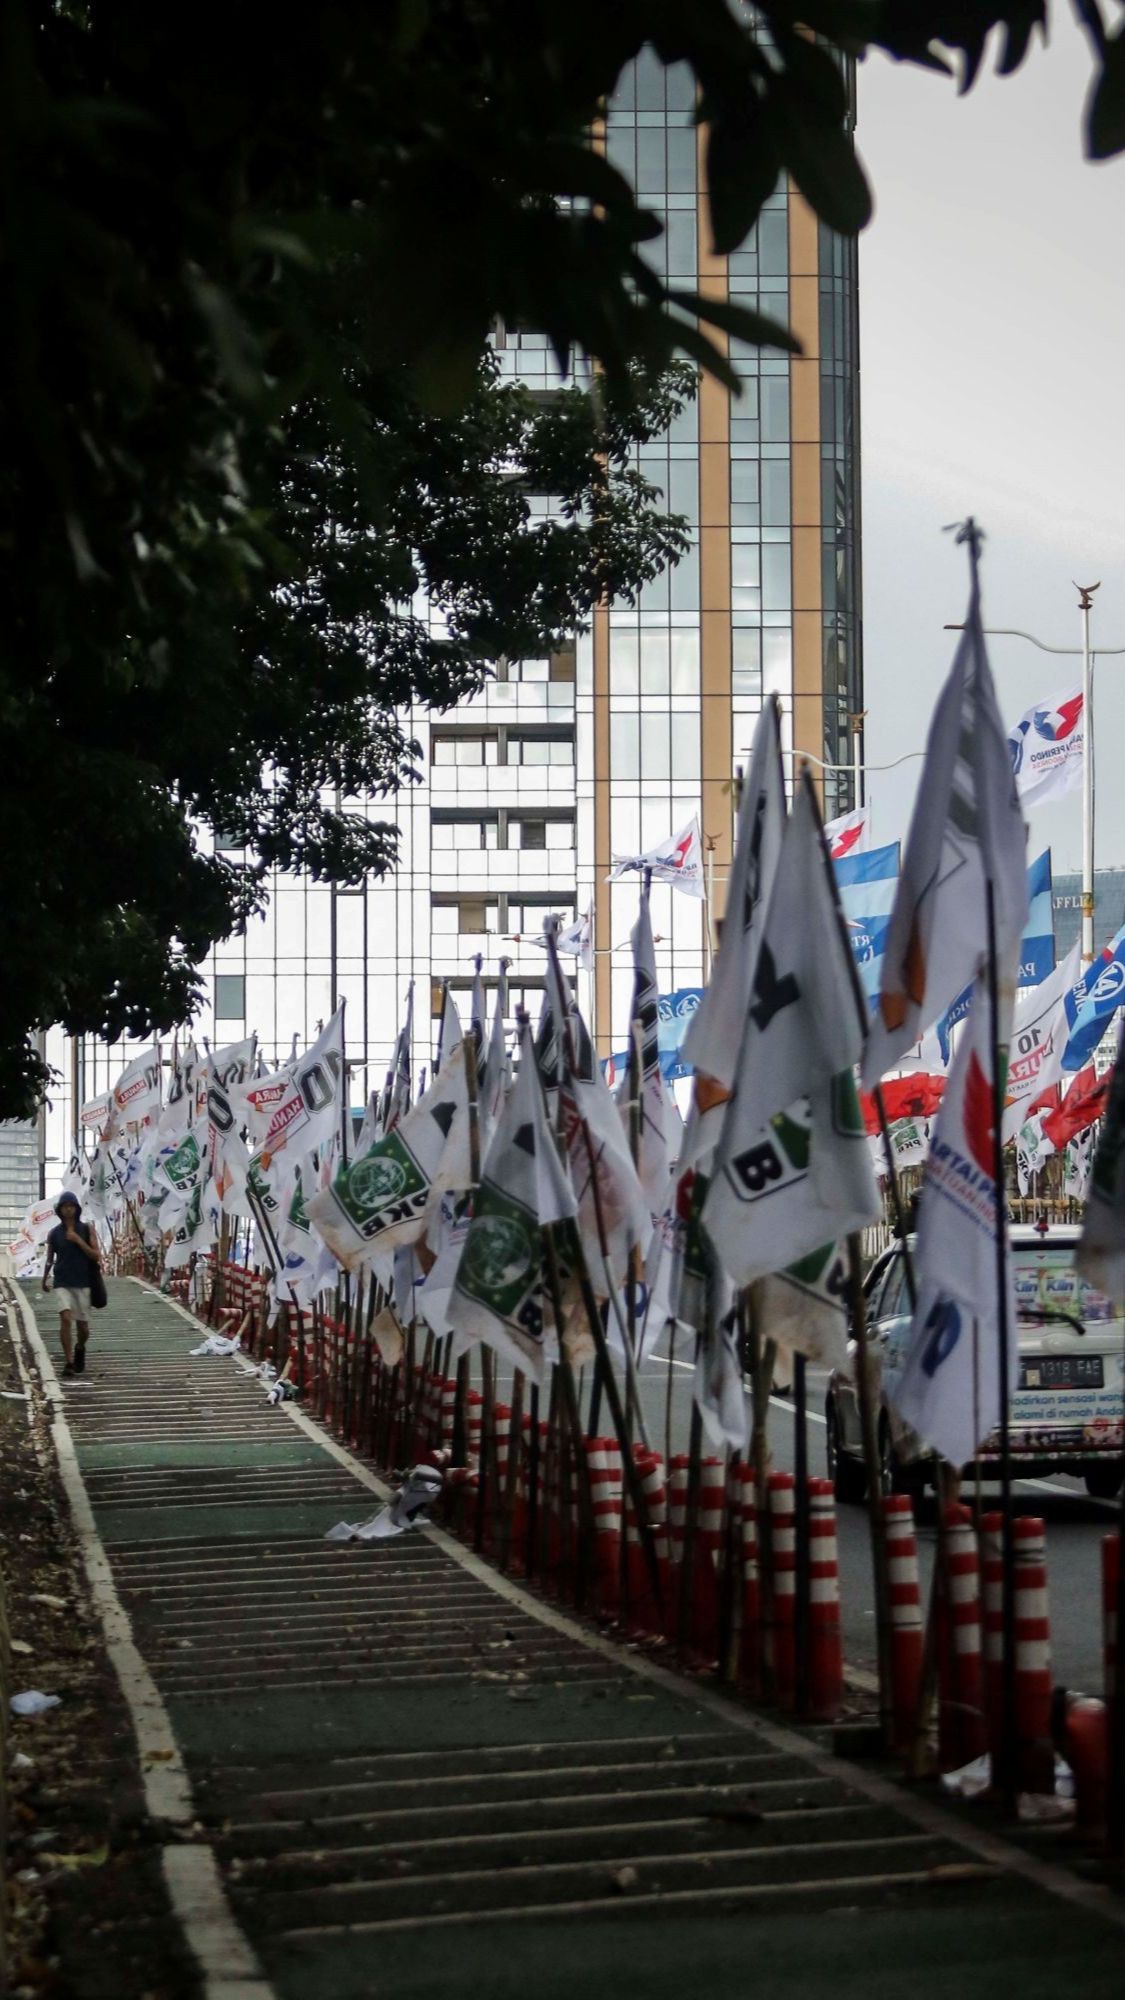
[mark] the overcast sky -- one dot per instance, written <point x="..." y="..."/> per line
<point x="993" y="382"/>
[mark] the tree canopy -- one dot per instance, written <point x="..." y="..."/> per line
<point x="249" y="272"/>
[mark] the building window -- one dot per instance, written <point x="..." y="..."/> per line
<point x="531" y="832"/>
<point x="450" y="914"/>
<point x="463" y="746"/>
<point x="228" y="843"/>
<point x="539" y="748"/>
<point x="452" y="832"/>
<point x="230" y="996"/>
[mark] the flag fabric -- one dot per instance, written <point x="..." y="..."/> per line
<point x="949" y="1388"/>
<point x="678" y="860"/>
<point x="675" y="1014"/>
<point x="396" y="1090"/>
<point x="383" y="1199"/>
<point x="611" y="1200"/>
<point x="1047" y="746"/>
<point x="1077" y="1164"/>
<point x="653" y="1140"/>
<point x="450" y="1030"/>
<point x="802" y="1024"/>
<point x="497" y="1068"/>
<point x="850" y="833"/>
<point x="1091" y="1004"/>
<point x="499" y="1294"/>
<point x="966" y="831"/>
<point x="714" y="1028"/>
<point x="97" y="1112"/>
<point x="803" y="1182"/>
<point x="1037" y="946"/>
<point x="233" y="1063"/>
<point x="576" y="939"/>
<point x="805" y="1308"/>
<point x="1039" y="1035"/>
<point x="1101" y="1253"/>
<point x="718" y="1385"/>
<point x="228" y="1161"/>
<point x="674" y="1266"/>
<point x="867" y="884"/>
<point x="136" y="1094"/>
<point x="1032" y="1151"/>
<point x="1085" y="1101"/>
<point x="299" y="1106"/>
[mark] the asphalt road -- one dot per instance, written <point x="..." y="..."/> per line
<point x="1075" y="1528"/>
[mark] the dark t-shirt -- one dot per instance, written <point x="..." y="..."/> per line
<point x="72" y="1267"/>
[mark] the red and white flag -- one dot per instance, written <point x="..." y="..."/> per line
<point x="849" y="834"/>
<point x="678" y="860"/>
<point x="1048" y="746"/>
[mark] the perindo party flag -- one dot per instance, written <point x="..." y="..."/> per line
<point x="678" y="860"/>
<point x="1047" y="746"/>
<point x="849" y="833"/>
<point x="867" y="884"/>
<point x="966" y="832"/>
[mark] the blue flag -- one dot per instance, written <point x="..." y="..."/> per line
<point x="1037" y="945"/>
<point x="867" y="892"/>
<point x="1091" y="1004"/>
<point x="674" y="1012"/>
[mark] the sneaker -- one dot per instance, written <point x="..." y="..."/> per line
<point x="69" y="1370"/>
<point x="80" y="1359"/>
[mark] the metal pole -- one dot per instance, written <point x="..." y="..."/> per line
<point x="1085" y="601"/>
<point x="1008" y="1774"/>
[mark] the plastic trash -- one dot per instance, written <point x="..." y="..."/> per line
<point x="218" y="1343"/>
<point x="410" y="1505"/>
<point x="971" y="1780"/>
<point x="33" y="1702"/>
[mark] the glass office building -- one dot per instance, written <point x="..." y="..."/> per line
<point x="615" y="741"/>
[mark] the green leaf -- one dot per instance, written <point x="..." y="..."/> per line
<point x="741" y="322"/>
<point x="743" y="167"/>
<point x="1105" y="108"/>
<point x="821" y="158"/>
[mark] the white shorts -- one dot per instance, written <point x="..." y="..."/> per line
<point x="73" y="1299"/>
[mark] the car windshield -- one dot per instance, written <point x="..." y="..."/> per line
<point x="1048" y="1287"/>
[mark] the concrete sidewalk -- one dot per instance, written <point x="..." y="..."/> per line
<point x="418" y="1781"/>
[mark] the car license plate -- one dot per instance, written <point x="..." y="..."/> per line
<point x="1062" y="1371"/>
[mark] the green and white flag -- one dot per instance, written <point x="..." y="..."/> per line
<point x="805" y="1309"/>
<point x="500" y="1294"/>
<point x="383" y="1199"/>
<point x="182" y="1171"/>
<point x="803" y="1181"/>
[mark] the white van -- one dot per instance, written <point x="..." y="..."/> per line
<point x="1068" y="1406"/>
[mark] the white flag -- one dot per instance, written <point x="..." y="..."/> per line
<point x="949" y="1389"/>
<point x="715" y="1032"/>
<point x="803" y="1025"/>
<point x="228" y="1161"/>
<point x="849" y="833"/>
<point x="136" y="1094"/>
<point x="301" y="1105"/>
<point x="966" y="829"/>
<point x="718" y="1386"/>
<point x="97" y="1113"/>
<point x="576" y="939"/>
<point x="500" y="1294"/>
<point x="652" y="1142"/>
<point x="1039" y="1035"/>
<point x="678" y="860"/>
<point x="383" y="1199"/>
<point x="1101" y="1253"/>
<point x="803" y="1181"/>
<point x="1047" y="746"/>
<point x="609" y="1194"/>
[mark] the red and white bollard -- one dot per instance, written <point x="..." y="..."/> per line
<point x="781" y="1635"/>
<point x="992" y="1574"/>
<point x="826" y="1655"/>
<point x="961" y="1728"/>
<point x="706" y="1559"/>
<point x="750" y="1646"/>
<point x="603" y="1458"/>
<point x="1033" y="1655"/>
<point x="448" y="1411"/>
<point x="651" y="1609"/>
<point x="906" y="1616"/>
<point x="678" y="1466"/>
<point x="501" y="1446"/>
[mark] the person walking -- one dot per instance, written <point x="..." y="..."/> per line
<point x="72" y="1254"/>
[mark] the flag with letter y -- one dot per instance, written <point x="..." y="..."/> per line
<point x="966" y="830"/>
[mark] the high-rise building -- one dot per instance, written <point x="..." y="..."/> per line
<point x="617" y="739"/>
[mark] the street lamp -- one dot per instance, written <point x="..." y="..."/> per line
<point x="1085" y="603"/>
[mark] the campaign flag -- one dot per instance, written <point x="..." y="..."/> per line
<point x="675" y="1013"/>
<point x="39" y="1220"/>
<point x="1101" y="1253"/>
<point x="718" y="1387"/>
<point x="1076" y="1166"/>
<point x="1032" y="1151"/>
<point x="678" y="860"/>
<point x="803" y="1181"/>
<point x="714" y="1027"/>
<point x="611" y="1199"/>
<point x="298" y="1106"/>
<point x="228" y="1161"/>
<point x="802" y="1024"/>
<point x="1091" y="1004"/>
<point x="383" y="1199"/>
<point x="500" y="1293"/>
<point x="233" y="1063"/>
<point x="966" y="831"/>
<point x="1047" y="746"/>
<point x="1037" y="946"/>
<point x="867" y="882"/>
<point x="497" y="1068"/>
<point x="136" y="1094"/>
<point x="949" y="1388"/>
<point x="576" y="939"/>
<point x="652" y="1141"/>
<point x="1084" y="1102"/>
<point x="805" y="1307"/>
<point x="1039" y="1034"/>
<point x="849" y="833"/>
<point x="96" y="1113"/>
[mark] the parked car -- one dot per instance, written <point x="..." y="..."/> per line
<point x="1068" y="1403"/>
